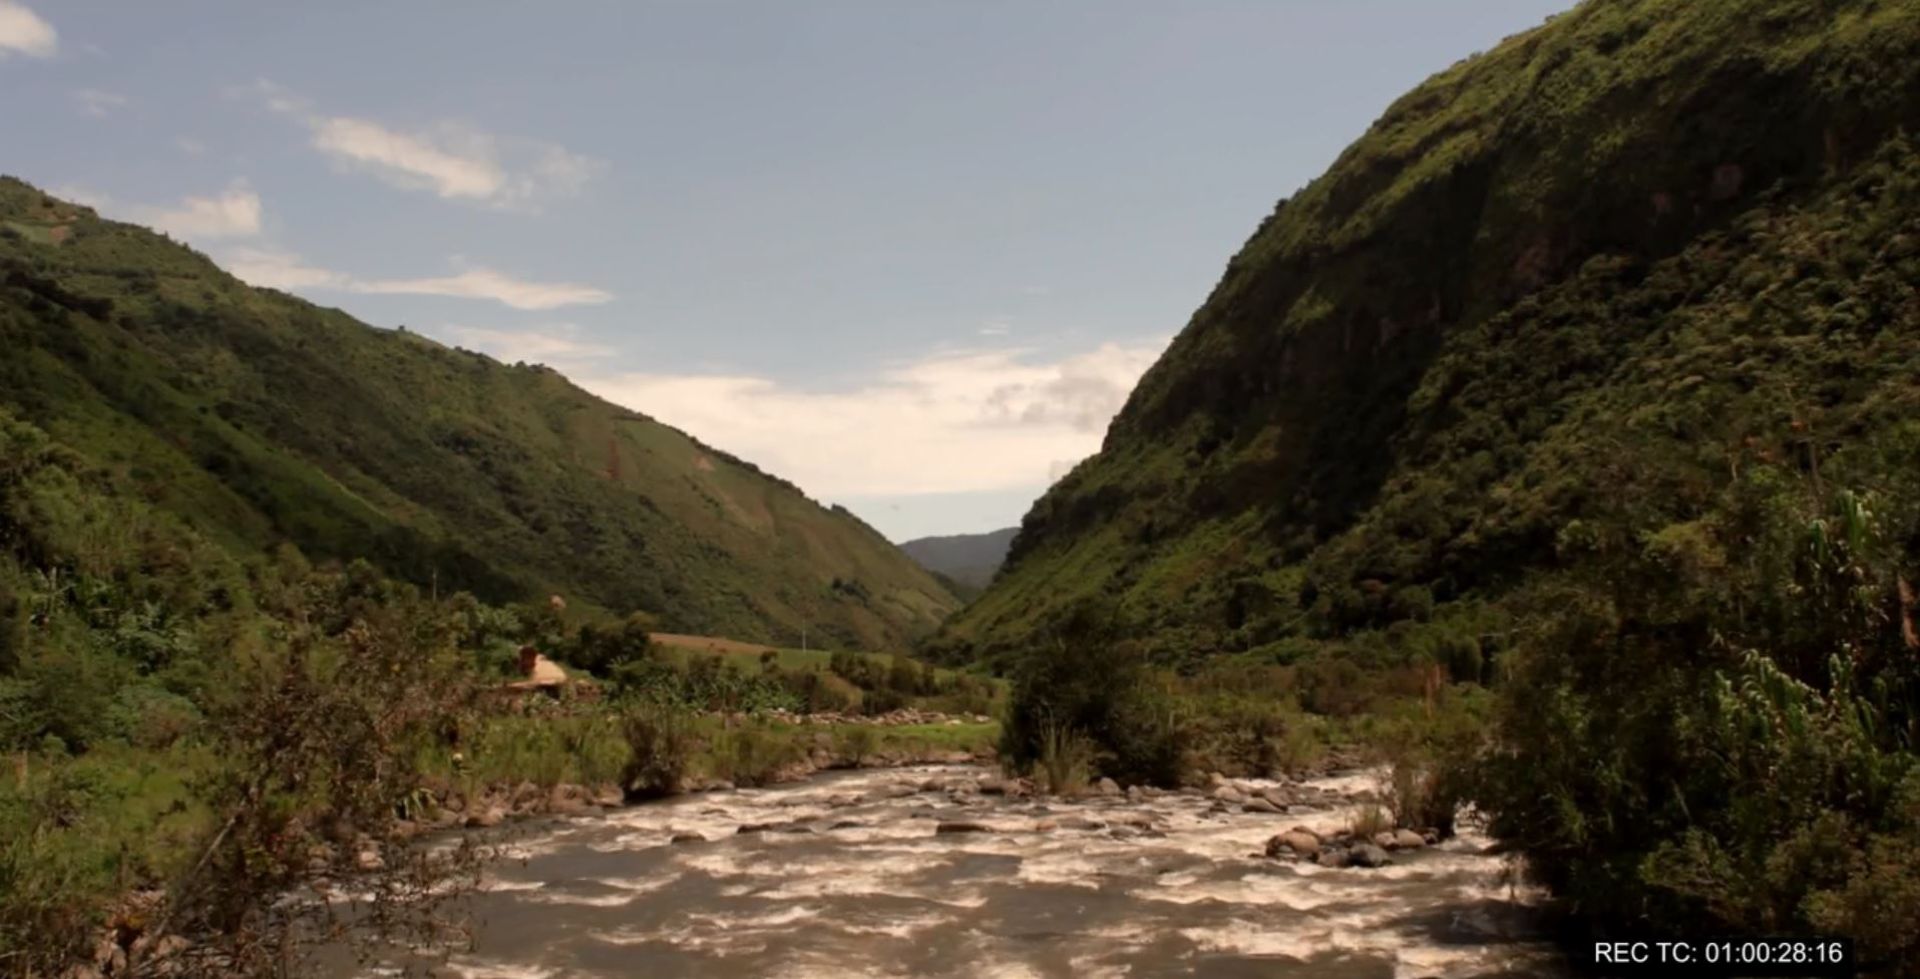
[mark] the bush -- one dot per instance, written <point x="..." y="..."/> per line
<point x="660" y="744"/>
<point x="149" y="717"/>
<point x="857" y="742"/>
<point x="1104" y="690"/>
<point x="750" y="754"/>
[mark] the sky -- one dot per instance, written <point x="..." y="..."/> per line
<point x="910" y="255"/>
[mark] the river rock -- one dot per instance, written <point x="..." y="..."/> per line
<point x="847" y="824"/>
<point x="1278" y="797"/>
<point x="1385" y="839"/>
<point x="484" y="818"/>
<point x="686" y="838"/>
<point x="1297" y="843"/>
<point x="959" y="826"/>
<point x="608" y="794"/>
<point x="1107" y="787"/>
<point x="1368" y="855"/>
<point x="1261" y="804"/>
<point x="1407" y="839"/>
<point x="566" y="799"/>
<point x="1230" y="795"/>
<point x="108" y="956"/>
<point x="1332" y="856"/>
<point x="369" y="860"/>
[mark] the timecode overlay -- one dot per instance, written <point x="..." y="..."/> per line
<point x="1758" y="958"/>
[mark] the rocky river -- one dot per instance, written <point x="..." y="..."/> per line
<point x="938" y="871"/>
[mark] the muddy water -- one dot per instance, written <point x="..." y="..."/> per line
<point x="858" y="883"/>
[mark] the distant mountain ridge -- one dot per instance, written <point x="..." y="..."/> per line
<point x="262" y="419"/>
<point x="970" y="559"/>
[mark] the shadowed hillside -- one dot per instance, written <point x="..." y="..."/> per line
<point x="1408" y="380"/>
<point x="970" y="559"/>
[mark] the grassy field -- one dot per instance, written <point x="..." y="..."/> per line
<point x="749" y="656"/>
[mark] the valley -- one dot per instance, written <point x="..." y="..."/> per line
<point x="1516" y="548"/>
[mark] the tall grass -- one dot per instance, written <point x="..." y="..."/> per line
<point x="1066" y="760"/>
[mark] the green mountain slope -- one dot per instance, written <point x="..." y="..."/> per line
<point x="263" y="419"/>
<point x="1557" y="296"/>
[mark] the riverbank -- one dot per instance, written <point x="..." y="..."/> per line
<point x="528" y="767"/>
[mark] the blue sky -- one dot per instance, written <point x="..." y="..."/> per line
<point x="910" y="255"/>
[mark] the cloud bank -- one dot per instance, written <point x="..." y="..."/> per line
<point x="288" y="271"/>
<point x="971" y="421"/>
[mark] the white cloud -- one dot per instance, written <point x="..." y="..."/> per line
<point x="996" y="327"/>
<point x="948" y="423"/>
<point x="235" y="213"/>
<point x="284" y="270"/>
<point x="483" y="283"/>
<point x="97" y="102"/>
<point x="22" y="31"/>
<point x="452" y="160"/>
<point x="553" y="343"/>
<point x="279" y="270"/>
<point x="411" y="161"/>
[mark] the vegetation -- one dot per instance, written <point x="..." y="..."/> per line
<point x="1558" y="443"/>
<point x="203" y="724"/>
<point x="261" y="420"/>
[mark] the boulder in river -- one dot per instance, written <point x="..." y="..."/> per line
<point x="1407" y="839"/>
<point x="490" y="816"/>
<point x="1229" y="794"/>
<point x="1261" y="804"/>
<point x="1107" y="787"/>
<point x="959" y="826"/>
<point x="1295" y="843"/>
<point x="687" y="838"/>
<point x="1368" y="855"/>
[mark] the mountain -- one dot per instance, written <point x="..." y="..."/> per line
<point x="1554" y="298"/>
<point x="970" y="559"/>
<point x="262" y="420"/>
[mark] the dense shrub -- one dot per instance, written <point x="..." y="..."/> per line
<point x="1088" y="684"/>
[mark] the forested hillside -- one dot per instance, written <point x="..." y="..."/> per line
<point x="1590" y="377"/>
<point x="1391" y="401"/>
<point x="260" y="419"/>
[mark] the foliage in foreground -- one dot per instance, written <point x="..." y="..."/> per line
<point x="223" y="730"/>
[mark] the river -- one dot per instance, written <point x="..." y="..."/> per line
<point x="852" y="879"/>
